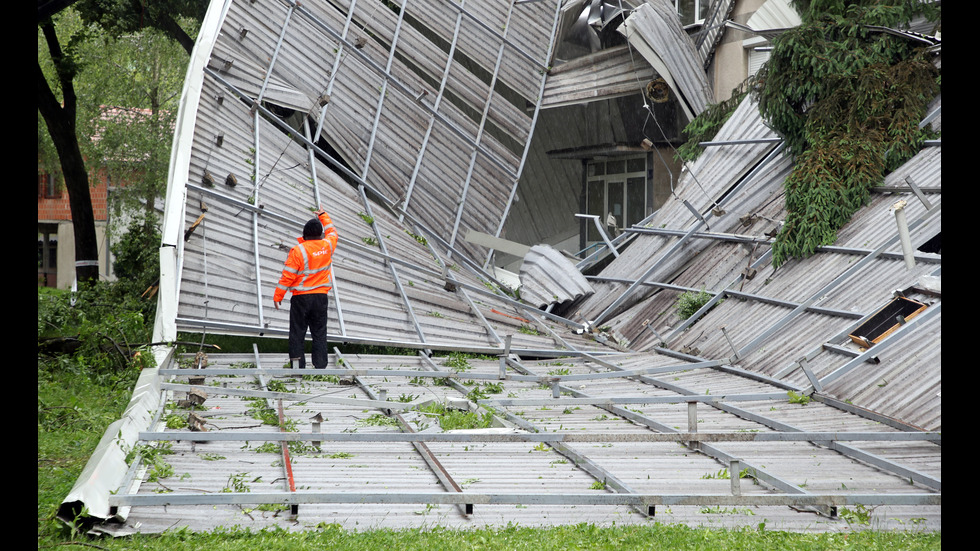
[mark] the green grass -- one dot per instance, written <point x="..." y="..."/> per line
<point x="513" y="537"/>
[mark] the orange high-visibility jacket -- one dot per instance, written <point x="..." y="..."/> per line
<point x="307" y="268"/>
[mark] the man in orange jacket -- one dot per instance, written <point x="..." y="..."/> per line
<point x="307" y="274"/>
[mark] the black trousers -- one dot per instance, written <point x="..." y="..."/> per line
<point x="308" y="312"/>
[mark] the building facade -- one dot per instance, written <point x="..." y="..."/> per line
<point x="56" y="235"/>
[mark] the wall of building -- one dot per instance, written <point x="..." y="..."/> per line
<point x="666" y="171"/>
<point x="550" y="190"/>
<point x="56" y="210"/>
<point x="730" y="64"/>
<point x="58" y="207"/>
<point x="65" y="274"/>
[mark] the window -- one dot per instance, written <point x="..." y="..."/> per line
<point x="757" y="58"/>
<point x="47" y="255"/>
<point x="886" y="321"/>
<point x="47" y="187"/>
<point x="692" y="11"/>
<point x="617" y="188"/>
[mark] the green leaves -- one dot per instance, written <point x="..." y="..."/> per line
<point x="451" y="419"/>
<point x="99" y="328"/>
<point x="706" y="125"/>
<point x="795" y="398"/>
<point x="690" y="302"/>
<point x="847" y="100"/>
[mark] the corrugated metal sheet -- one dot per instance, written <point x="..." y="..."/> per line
<point x="713" y="29"/>
<point x="774" y="14"/>
<point x="606" y="74"/>
<point x="704" y="183"/>
<point x="526" y="468"/>
<point x="827" y="280"/>
<point x="230" y="264"/>
<point x="547" y="277"/>
<point x="655" y="31"/>
<point x="421" y="145"/>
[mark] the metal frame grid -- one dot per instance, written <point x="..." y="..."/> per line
<point x="621" y="419"/>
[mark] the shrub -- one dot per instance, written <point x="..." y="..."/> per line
<point x="690" y="302"/>
<point x="137" y="262"/>
<point x="847" y="100"/>
<point x="99" y="328"/>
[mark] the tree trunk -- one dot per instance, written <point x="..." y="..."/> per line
<point x="60" y="120"/>
<point x="168" y="25"/>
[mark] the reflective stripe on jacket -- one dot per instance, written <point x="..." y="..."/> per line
<point x="307" y="268"/>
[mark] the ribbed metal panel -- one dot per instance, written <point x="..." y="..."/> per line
<point x="606" y="74"/>
<point x="305" y="67"/>
<point x="229" y="264"/>
<point x="827" y="280"/>
<point x="547" y="277"/>
<point x="906" y="383"/>
<point x="713" y="29"/>
<point x="228" y="268"/>
<point x="705" y="182"/>
<point x="656" y="31"/>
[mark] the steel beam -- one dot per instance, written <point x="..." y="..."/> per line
<point x="844" y="449"/>
<point x="890" y="340"/>
<point x="299" y="374"/>
<point x="694" y="228"/>
<point x="453" y="498"/>
<point x="341" y="45"/>
<point x="581" y="460"/>
<point x="460" y="289"/>
<point x="534" y="122"/>
<point x="532" y="437"/>
<point x="764" y="337"/>
<point x="736" y="294"/>
<point x="287" y="464"/>
<point x="432" y="119"/>
<point x="614" y="400"/>
<point x="541" y="65"/>
<point x="382" y="93"/>
<point x="398" y="85"/>
<point x="217" y="327"/>
<point x="461" y="203"/>
<point x="272" y="395"/>
<point x="391" y="266"/>
<point x="758" y="472"/>
<point x="310" y="158"/>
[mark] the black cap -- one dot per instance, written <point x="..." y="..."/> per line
<point x="313" y="229"/>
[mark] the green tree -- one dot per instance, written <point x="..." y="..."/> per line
<point x="847" y="99"/>
<point x="140" y="76"/>
<point x="109" y="52"/>
<point x="121" y="17"/>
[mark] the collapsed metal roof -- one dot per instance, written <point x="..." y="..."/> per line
<point x="410" y="122"/>
<point x="613" y="447"/>
<point x="431" y="152"/>
<point x="653" y="31"/>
